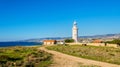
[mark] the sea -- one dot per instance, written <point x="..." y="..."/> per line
<point x="10" y="44"/>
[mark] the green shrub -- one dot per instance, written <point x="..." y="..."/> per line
<point x="22" y="56"/>
<point x="69" y="40"/>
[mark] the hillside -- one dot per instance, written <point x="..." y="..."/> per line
<point x="114" y="36"/>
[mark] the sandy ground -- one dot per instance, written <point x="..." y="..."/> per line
<point x="64" y="60"/>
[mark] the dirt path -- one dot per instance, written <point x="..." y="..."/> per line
<point x="64" y="60"/>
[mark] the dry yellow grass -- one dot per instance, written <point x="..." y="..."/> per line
<point x="64" y="60"/>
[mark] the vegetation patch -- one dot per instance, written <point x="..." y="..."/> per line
<point x="69" y="40"/>
<point x="116" y="41"/>
<point x="105" y="54"/>
<point x="24" y="57"/>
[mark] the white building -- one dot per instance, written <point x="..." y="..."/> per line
<point x="60" y="42"/>
<point x="75" y="32"/>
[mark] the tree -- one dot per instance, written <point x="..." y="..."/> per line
<point x="116" y="41"/>
<point x="69" y="40"/>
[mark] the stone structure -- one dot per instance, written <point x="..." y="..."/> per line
<point x="75" y="32"/>
<point x="49" y="42"/>
<point x="53" y="42"/>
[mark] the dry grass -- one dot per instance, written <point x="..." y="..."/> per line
<point x="105" y="54"/>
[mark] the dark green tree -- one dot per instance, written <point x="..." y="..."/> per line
<point x="69" y="40"/>
<point x="116" y="41"/>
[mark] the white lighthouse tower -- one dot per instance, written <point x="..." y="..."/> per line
<point x="75" y="32"/>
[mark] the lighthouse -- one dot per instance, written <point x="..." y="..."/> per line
<point x="75" y="32"/>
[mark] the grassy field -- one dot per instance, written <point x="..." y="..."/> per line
<point x="105" y="54"/>
<point x="24" y="57"/>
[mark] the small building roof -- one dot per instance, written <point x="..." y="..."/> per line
<point x="49" y="40"/>
<point x="97" y="41"/>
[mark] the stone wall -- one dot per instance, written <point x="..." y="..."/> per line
<point x="94" y="44"/>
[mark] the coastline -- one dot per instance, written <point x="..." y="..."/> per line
<point x="23" y="44"/>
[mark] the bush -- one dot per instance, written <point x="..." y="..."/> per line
<point x="22" y="56"/>
<point x="116" y="41"/>
<point x="69" y="40"/>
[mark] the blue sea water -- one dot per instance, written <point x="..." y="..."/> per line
<point x="8" y="44"/>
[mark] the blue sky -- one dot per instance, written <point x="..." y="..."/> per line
<point x="26" y="19"/>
